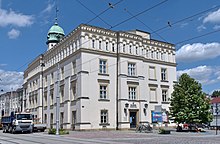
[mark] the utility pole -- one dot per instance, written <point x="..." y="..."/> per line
<point x="216" y="119"/>
<point x="117" y="85"/>
<point x="42" y="87"/>
<point x="58" y="99"/>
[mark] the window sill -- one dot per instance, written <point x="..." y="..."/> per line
<point x="165" y="102"/>
<point x="106" y="100"/>
<point x="153" y="102"/>
<point x="104" y="124"/>
<point x="103" y="74"/>
<point x="152" y="79"/>
<point x="164" y="81"/>
<point x="132" y="76"/>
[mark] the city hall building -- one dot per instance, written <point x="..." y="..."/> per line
<point x="101" y="79"/>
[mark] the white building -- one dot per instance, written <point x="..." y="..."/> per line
<point x="11" y="102"/>
<point x="82" y="68"/>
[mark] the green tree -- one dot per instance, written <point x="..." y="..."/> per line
<point x="188" y="103"/>
<point x="216" y="93"/>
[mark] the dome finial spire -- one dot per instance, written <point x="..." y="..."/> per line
<point x="56" y="18"/>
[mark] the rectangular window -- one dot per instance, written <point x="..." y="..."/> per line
<point x="73" y="68"/>
<point x="45" y="81"/>
<point x="61" y="94"/>
<point x="102" y="66"/>
<point x="113" y="47"/>
<point x="103" y="92"/>
<point x="147" y="53"/>
<point x="162" y="56"/>
<point x="104" y="117"/>
<point x="163" y="74"/>
<point x="93" y="43"/>
<point x="73" y="90"/>
<point x="45" y="118"/>
<point x="45" y="98"/>
<point x="131" y="69"/>
<point x="75" y="45"/>
<point x="100" y="44"/>
<point x="106" y="46"/>
<point x="51" y="120"/>
<point x="62" y="73"/>
<point x="123" y="47"/>
<point x="157" y="55"/>
<point x="51" y="97"/>
<point x="51" y="78"/>
<point x="132" y="93"/>
<point x="136" y="50"/>
<point x="130" y="49"/>
<point x="153" y="96"/>
<point x="61" y="120"/>
<point x="152" y="73"/>
<point x="152" y="54"/>
<point x="164" y="96"/>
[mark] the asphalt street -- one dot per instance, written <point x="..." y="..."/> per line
<point x="112" y="137"/>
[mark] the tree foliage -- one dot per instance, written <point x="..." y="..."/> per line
<point x="188" y="103"/>
<point x="216" y="93"/>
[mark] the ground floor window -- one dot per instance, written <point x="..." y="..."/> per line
<point x="104" y="116"/>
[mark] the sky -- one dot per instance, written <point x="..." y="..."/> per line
<point x="193" y="26"/>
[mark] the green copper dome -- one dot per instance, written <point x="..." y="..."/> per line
<point x="55" y="33"/>
<point x="56" y="29"/>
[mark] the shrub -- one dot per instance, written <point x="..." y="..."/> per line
<point x="163" y="131"/>
<point x="61" y="131"/>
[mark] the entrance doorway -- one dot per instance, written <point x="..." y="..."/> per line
<point x="133" y="119"/>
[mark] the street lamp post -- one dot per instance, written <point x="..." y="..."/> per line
<point x="58" y="99"/>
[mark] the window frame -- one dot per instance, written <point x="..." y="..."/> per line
<point x="103" y="66"/>
<point x="104" y="116"/>
<point x="103" y="93"/>
<point x="132" y="92"/>
<point x="131" y="69"/>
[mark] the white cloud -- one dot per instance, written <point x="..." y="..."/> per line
<point x="216" y="27"/>
<point x="213" y="17"/>
<point x="10" y="79"/>
<point x="15" y="19"/>
<point x="201" y="27"/>
<point x="46" y="13"/>
<point x="13" y="34"/>
<point x="182" y="25"/>
<point x="3" y="65"/>
<point x="49" y="8"/>
<point x="198" y="51"/>
<point x="206" y="75"/>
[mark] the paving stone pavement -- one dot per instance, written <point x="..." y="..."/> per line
<point x="131" y="137"/>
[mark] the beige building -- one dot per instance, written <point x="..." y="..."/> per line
<point x="81" y="69"/>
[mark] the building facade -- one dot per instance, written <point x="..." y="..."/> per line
<point x="101" y="79"/>
<point x="11" y="102"/>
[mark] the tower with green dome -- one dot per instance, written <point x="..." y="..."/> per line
<point x="54" y="35"/>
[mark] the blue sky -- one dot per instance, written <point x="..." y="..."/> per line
<point x="24" y="26"/>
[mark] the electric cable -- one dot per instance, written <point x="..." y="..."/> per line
<point x="138" y="14"/>
<point x="186" y="18"/>
<point x="93" y="13"/>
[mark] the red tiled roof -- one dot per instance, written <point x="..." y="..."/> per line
<point x="215" y="100"/>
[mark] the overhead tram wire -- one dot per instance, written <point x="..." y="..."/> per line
<point x="116" y="24"/>
<point x="139" y="13"/>
<point x="93" y="13"/>
<point x="110" y="7"/>
<point x="82" y="43"/>
<point x="144" y="24"/>
<point x="197" y="36"/>
<point x="186" y="18"/>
